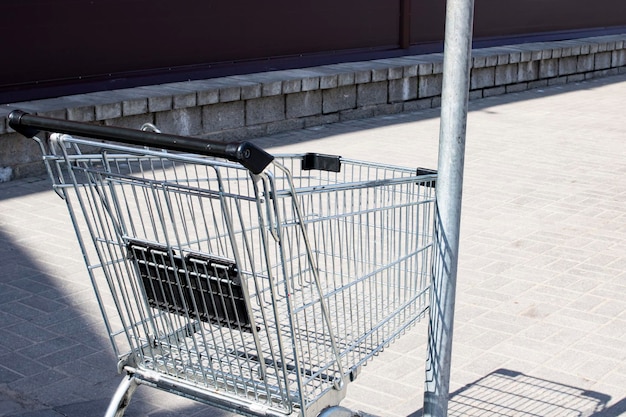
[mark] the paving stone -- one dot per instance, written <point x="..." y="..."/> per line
<point x="40" y="413"/>
<point x="265" y="110"/>
<point x="186" y="122"/>
<point x="328" y="81"/>
<point x="160" y="103"/>
<point x="21" y="365"/>
<point x="108" y="111"/>
<point x="133" y="107"/>
<point x="292" y="86"/>
<point x="618" y="58"/>
<point x="229" y="93"/>
<point x="429" y="85"/>
<point x="337" y="99"/>
<point x="539" y="346"/>
<point x="585" y="63"/>
<point x="7" y="376"/>
<point x="222" y="116"/>
<point x="403" y="89"/>
<point x="602" y="60"/>
<point x="82" y="113"/>
<point x="31" y="331"/>
<point x="208" y="96"/>
<point x="540" y="287"/>
<point x="304" y="104"/>
<point x="372" y="93"/>
<point x="132" y="122"/>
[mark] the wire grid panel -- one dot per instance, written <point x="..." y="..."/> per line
<point x="205" y="275"/>
<point x="371" y="229"/>
<point x="159" y="221"/>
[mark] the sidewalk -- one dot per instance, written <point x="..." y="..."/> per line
<point x="541" y="301"/>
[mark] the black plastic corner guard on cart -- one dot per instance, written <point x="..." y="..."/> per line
<point x="247" y="154"/>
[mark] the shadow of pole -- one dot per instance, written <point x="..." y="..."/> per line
<point x="616" y="410"/>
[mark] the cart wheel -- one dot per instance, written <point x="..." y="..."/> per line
<point x="337" y="411"/>
<point x="122" y="396"/>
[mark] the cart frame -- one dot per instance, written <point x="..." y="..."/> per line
<point x="256" y="283"/>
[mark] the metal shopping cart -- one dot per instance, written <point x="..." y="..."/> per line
<point x="254" y="283"/>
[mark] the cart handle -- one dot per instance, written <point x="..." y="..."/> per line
<point x="247" y="154"/>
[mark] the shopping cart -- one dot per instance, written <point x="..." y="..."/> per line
<point x="254" y="283"/>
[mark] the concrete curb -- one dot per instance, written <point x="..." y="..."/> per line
<point x="247" y="106"/>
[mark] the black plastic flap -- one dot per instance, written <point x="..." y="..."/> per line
<point x="322" y="162"/>
<point x="427" y="171"/>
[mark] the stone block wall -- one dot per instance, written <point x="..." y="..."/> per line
<point x="242" y="107"/>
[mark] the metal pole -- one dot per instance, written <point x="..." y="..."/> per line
<point x="454" y="99"/>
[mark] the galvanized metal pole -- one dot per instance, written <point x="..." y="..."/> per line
<point x="455" y="95"/>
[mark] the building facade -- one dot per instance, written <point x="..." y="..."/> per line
<point x="55" y="48"/>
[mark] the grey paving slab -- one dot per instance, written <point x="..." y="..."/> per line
<point x="541" y="307"/>
<point x="542" y="247"/>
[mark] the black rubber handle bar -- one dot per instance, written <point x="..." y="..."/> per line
<point x="247" y="154"/>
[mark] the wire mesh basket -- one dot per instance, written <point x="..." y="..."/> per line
<point x="260" y="290"/>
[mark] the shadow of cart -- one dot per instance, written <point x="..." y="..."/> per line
<point x="504" y="392"/>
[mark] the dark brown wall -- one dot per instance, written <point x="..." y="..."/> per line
<point x="516" y="17"/>
<point x="507" y="18"/>
<point x="69" y="42"/>
<point x="427" y="20"/>
<point x="69" y="38"/>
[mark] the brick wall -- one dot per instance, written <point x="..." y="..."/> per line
<point x="248" y="106"/>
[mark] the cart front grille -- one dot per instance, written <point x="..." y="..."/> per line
<point x="268" y="289"/>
